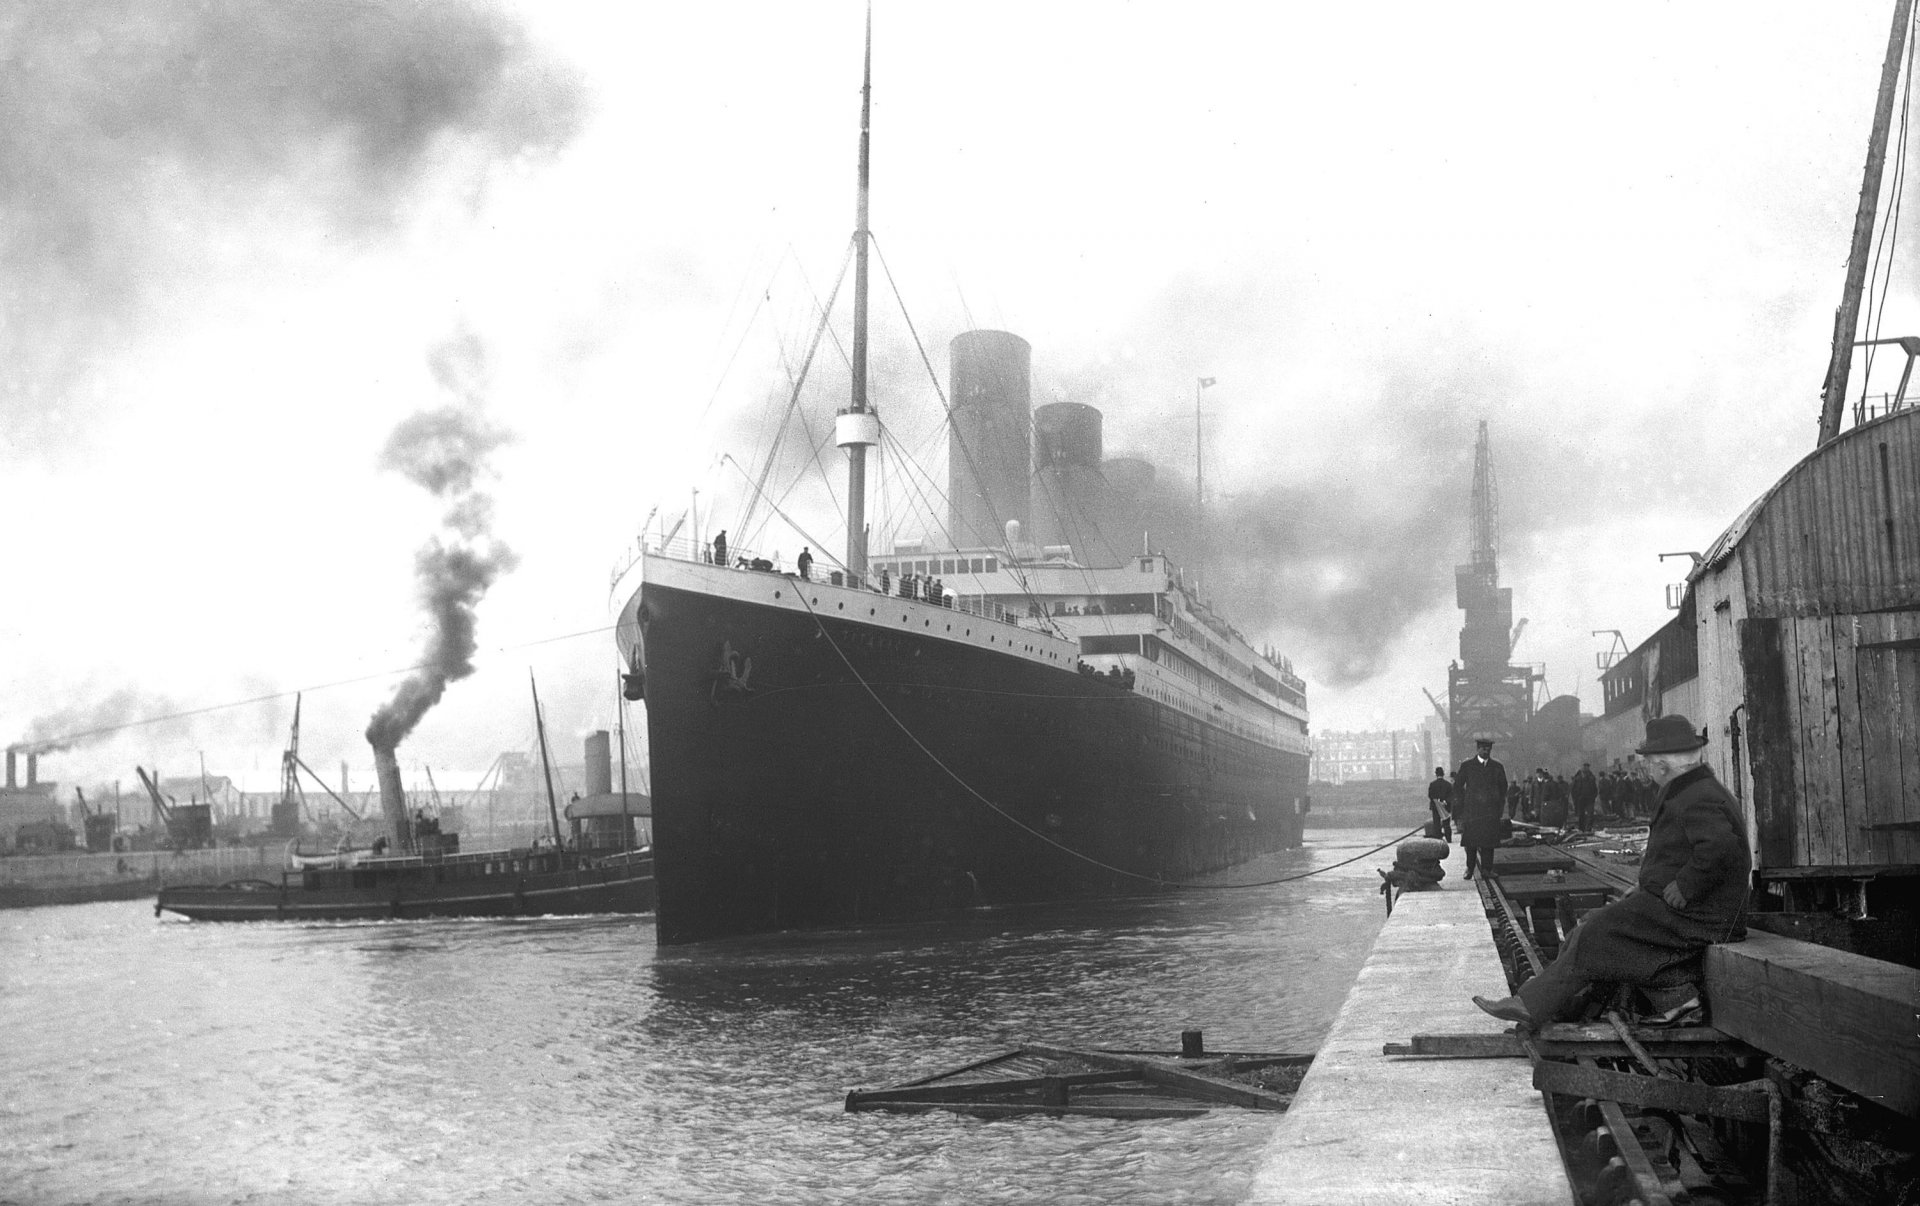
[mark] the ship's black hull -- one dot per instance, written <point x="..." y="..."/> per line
<point x="811" y="771"/>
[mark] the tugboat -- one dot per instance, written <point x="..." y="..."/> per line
<point x="601" y="870"/>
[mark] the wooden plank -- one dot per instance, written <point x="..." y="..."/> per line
<point x="1822" y="808"/>
<point x="1769" y="742"/>
<point x="980" y="1089"/>
<point x="1906" y="628"/>
<point x="1847" y="1018"/>
<point x="1685" y="1096"/>
<point x="1876" y="674"/>
<point x="1168" y="1073"/>
<point x="1675" y="1044"/>
<point x="1842" y="633"/>
<point x="1212" y="1088"/>
<point x="982" y="1109"/>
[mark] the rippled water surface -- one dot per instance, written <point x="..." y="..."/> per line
<point x="561" y="1060"/>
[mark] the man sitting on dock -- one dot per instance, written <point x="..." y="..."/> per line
<point x="1692" y="893"/>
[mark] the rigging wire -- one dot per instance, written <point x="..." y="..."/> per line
<point x="793" y="400"/>
<point x="1035" y="833"/>
<point x="825" y="552"/>
<point x="1889" y="233"/>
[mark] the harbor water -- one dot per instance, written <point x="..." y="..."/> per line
<point x="570" y="1060"/>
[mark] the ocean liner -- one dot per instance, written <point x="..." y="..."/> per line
<point x="1030" y="714"/>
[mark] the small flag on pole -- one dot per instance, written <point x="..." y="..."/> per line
<point x="1205" y="382"/>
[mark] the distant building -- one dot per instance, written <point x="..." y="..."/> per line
<point x="1381" y="754"/>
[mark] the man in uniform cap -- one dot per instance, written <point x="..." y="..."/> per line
<point x="1692" y="892"/>
<point x="1479" y="800"/>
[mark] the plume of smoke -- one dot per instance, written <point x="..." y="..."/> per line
<point x="130" y="132"/>
<point x="445" y="452"/>
<point x="88" y="724"/>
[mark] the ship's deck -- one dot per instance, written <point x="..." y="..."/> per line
<point x="1379" y="1129"/>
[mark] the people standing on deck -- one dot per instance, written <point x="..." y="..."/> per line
<point x="1692" y="893"/>
<point x="1440" y="804"/>
<point x="1479" y="795"/>
<point x="720" y="547"/>
<point x="1584" y="790"/>
<point x="805" y="562"/>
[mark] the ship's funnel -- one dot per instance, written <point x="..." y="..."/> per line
<point x="1072" y="503"/>
<point x="987" y="449"/>
<point x="10" y="766"/>
<point x="599" y="751"/>
<point x="393" y="799"/>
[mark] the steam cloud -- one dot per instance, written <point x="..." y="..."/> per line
<point x="132" y="135"/>
<point x="444" y="451"/>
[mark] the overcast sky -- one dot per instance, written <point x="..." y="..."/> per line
<point x="244" y="245"/>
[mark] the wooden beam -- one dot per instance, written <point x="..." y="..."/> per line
<point x="1847" y="1018"/>
<point x="1684" y="1096"/>
<point x="1564" y="1041"/>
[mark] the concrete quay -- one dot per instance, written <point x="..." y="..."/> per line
<point x="1379" y="1129"/>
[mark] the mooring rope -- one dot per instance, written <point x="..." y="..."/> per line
<point x="1017" y="823"/>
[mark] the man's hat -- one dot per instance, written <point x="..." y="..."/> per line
<point x="1486" y="741"/>
<point x="1671" y="735"/>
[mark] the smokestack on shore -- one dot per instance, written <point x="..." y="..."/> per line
<point x="393" y="798"/>
<point x="10" y="770"/>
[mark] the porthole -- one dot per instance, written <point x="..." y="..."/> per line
<point x="871" y="611"/>
<point x="776" y="594"/>
<point x="842" y="606"/>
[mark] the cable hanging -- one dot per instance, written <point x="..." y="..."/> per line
<point x="1029" y="830"/>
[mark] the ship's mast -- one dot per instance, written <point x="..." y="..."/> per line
<point x="546" y="765"/>
<point x="856" y="429"/>
<point x="1846" y="323"/>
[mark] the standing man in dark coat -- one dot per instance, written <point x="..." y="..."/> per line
<point x="1585" y="789"/>
<point x="1692" y="893"/>
<point x="1440" y="803"/>
<point x="1479" y="799"/>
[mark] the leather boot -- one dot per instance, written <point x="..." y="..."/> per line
<point x="1507" y="1009"/>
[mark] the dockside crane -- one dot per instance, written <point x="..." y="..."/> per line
<point x="97" y="823"/>
<point x="1487" y="696"/>
<point x="161" y="812"/>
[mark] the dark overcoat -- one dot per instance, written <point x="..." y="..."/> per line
<point x="1584" y="787"/>
<point x="1699" y="841"/>
<point x="1480" y="801"/>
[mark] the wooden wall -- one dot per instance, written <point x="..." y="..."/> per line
<point x="1832" y="737"/>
